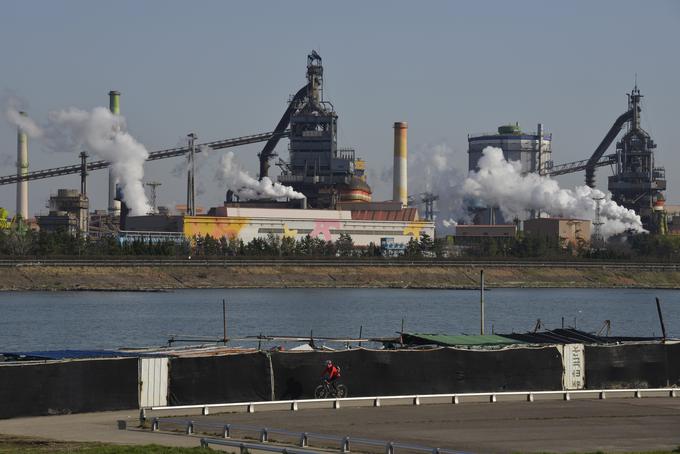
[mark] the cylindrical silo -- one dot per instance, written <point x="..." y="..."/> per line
<point x="22" y="170"/>
<point x="114" y="205"/>
<point x="400" y="178"/>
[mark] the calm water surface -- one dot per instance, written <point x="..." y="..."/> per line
<point x="83" y="320"/>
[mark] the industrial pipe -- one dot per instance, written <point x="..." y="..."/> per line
<point x="400" y="178"/>
<point x="114" y="205"/>
<point x="22" y="170"/>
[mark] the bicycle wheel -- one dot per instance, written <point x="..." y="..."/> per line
<point x="320" y="392"/>
<point x="342" y="391"/>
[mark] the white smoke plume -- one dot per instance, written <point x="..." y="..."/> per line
<point x="232" y="175"/>
<point x="499" y="183"/>
<point x="103" y="134"/>
<point x="435" y="169"/>
<point x="12" y="106"/>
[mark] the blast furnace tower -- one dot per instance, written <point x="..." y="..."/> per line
<point x="319" y="169"/>
<point x="637" y="184"/>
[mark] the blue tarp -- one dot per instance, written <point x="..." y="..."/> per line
<point x="71" y="354"/>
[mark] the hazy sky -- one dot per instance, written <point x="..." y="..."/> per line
<point x="225" y="69"/>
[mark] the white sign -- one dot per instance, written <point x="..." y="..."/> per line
<point x="574" y="366"/>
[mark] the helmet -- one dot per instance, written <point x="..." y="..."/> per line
<point x="329" y="363"/>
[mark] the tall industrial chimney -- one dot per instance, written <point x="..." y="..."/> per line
<point x="400" y="178"/>
<point x="114" y="205"/>
<point x="22" y="170"/>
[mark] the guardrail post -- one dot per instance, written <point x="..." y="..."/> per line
<point x="263" y="435"/>
<point x="336" y="404"/>
<point x="673" y="393"/>
<point x="567" y="396"/>
<point x="304" y="440"/>
<point x="389" y="448"/>
<point x="204" y="443"/>
<point x="603" y="395"/>
<point x="154" y="425"/>
<point x="416" y="400"/>
<point x="251" y="408"/>
<point x="455" y="400"/>
<point x="492" y="398"/>
<point x="376" y="402"/>
<point x="242" y="449"/>
<point x="190" y="428"/>
<point x="205" y="411"/>
<point x="344" y="445"/>
<point x="142" y="416"/>
<point x="530" y="397"/>
<point x="226" y="431"/>
<point x="294" y="406"/>
<point x="435" y="451"/>
<point x="638" y="393"/>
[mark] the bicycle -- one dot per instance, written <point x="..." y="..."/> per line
<point x="325" y="389"/>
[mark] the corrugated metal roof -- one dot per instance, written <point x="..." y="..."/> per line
<point x="406" y="214"/>
<point x="573" y="336"/>
<point x="454" y="340"/>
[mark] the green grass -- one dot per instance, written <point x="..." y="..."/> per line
<point x="10" y="444"/>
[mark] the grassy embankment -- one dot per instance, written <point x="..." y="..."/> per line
<point x="11" y="444"/>
<point x="366" y="276"/>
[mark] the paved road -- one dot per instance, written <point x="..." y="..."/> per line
<point x="505" y="427"/>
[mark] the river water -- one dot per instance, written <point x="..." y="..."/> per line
<point x="32" y="321"/>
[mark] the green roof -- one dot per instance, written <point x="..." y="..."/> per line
<point x="449" y="340"/>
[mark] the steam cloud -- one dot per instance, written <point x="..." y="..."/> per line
<point x="499" y="183"/>
<point x="104" y="134"/>
<point x="238" y="180"/>
<point x="12" y="107"/>
<point x="99" y="132"/>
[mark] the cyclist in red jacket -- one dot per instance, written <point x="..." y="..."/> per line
<point x="331" y="373"/>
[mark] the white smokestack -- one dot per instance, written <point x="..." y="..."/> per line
<point x="400" y="177"/>
<point x="22" y="170"/>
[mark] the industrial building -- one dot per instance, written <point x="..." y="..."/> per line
<point x="532" y="150"/>
<point x="247" y="223"/>
<point x="334" y="178"/>
<point x="574" y="232"/>
<point x="475" y="232"/>
<point x="68" y="212"/>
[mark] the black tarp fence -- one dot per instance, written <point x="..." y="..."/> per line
<point x="444" y="370"/>
<point x="637" y="366"/>
<point x="219" y="379"/>
<point x="68" y="387"/>
<point x="112" y="384"/>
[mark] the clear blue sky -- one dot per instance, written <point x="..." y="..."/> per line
<point x="224" y="69"/>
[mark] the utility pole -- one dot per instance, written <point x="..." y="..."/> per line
<point x="153" y="185"/>
<point x="83" y="173"/>
<point x="191" y="198"/>
<point x="481" y="302"/>
<point x="597" y="240"/>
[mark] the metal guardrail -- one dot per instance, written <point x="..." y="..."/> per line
<point x="415" y="399"/>
<point x="109" y="262"/>
<point x="304" y="438"/>
<point x="245" y="447"/>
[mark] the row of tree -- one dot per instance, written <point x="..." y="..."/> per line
<point x="27" y="243"/>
